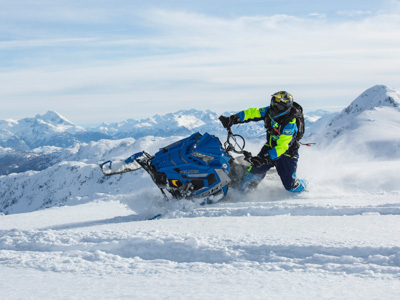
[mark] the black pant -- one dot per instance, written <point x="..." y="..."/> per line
<point x="286" y="166"/>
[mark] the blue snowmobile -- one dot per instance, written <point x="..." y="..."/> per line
<point x="196" y="167"/>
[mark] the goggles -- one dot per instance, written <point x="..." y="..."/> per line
<point x="282" y="98"/>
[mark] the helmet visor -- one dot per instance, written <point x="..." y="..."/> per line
<point x="279" y="107"/>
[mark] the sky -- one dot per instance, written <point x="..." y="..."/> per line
<point x="97" y="61"/>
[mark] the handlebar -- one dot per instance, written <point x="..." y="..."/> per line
<point x="236" y="143"/>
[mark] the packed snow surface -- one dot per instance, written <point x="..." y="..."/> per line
<point x="336" y="247"/>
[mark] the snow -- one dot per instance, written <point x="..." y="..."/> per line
<point x="315" y="115"/>
<point x="54" y="117"/>
<point x="85" y="236"/>
<point x="102" y="249"/>
<point x="333" y="242"/>
<point x="190" y="122"/>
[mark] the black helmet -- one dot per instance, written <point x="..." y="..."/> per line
<point x="281" y="103"/>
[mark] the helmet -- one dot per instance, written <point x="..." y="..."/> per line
<point x="281" y="103"/>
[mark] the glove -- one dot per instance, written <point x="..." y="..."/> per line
<point x="258" y="161"/>
<point x="227" y="122"/>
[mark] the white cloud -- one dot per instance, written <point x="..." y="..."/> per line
<point x="45" y="43"/>
<point x="317" y="15"/>
<point x="354" y="13"/>
<point x="203" y="61"/>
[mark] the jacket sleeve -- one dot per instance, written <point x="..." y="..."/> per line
<point x="284" y="141"/>
<point x="252" y="114"/>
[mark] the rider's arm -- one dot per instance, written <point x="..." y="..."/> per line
<point x="284" y="141"/>
<point x="252" y="114"/>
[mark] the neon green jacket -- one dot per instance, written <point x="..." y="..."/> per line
<point x="278" y="143"/>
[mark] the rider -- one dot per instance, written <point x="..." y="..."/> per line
<point x="281" y="149"/>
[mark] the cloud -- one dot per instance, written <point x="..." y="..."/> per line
<point x="180" y="58"/>
<point x="44" y="43"/>
<point x="317" y="15"/>
<point x="354" y="13"/>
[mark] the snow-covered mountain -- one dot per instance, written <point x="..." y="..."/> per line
<point x="180" y="123"/>
<point x="369" y="125"/>
<point x="50" y="129"/>
<point x="10" y="140"/>
<point x="183" y="122"/>
<point x="186" y="122"/>
<point x="15" y="161"/>
<point x="314" y="116"/>
<point x="38" y="143"/>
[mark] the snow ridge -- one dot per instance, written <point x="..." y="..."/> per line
<point x="116" y="253"/>
<point x="370" y="119"/>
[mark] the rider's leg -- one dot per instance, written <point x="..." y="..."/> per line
<point x="286" y="167"/>
<point x="253" y="177"/>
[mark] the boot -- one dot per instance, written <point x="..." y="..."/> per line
<point x="299" y="186"/>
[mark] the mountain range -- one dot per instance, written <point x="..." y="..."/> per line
<point x="52" y="129"/>
<point x="43" y="169"/>
<point x="37" y="143"/>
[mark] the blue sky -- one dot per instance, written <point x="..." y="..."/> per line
<point x="95" y="61"/>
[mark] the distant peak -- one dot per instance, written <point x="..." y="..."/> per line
<point x="376" y="96"/>
<point x="54" y="117"/>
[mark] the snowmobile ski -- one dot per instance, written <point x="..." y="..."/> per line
<point x="113" y="167"/>
<point x="156" y="217"/>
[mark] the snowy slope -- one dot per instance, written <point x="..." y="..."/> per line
<point x="368" y="125"/>
<point x="331" y="248"/>
<point x="74" y="176"/>
<point x="339" y="240"/>
<point x="10" y="140"/>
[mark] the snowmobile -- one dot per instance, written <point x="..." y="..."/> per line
<point x="196" y="167"/>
